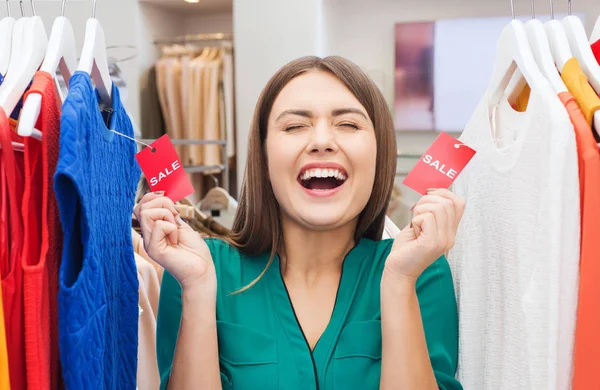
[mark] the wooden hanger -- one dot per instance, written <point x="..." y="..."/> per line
<point x="216" y="198"/>
<point x="207" y="222"/>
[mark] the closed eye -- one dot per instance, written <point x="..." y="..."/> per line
<point x="349" y="125"/>
<point x="293" y="127"/>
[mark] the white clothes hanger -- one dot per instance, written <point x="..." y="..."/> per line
<point x="6" y="32"/>
<point x="61" y="53"/>
<point x="16" y="51"/>
<point x="17" y="79"/>
<point x="595" y="37"/>
<point x="514" y="53"/>
<point x="580" y="46"/>
<point x="540" y="47"/>
<point x="583" y="52"/>
<point x="93" y="59"/>
<point x="557" y="37"/>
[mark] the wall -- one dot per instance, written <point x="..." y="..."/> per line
<point x="215" y="22"/>
<point x="268" y="34"/>
<point x="117" y="14"/>
<point x="363" y="31"/>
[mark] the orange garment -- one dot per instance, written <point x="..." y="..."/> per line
<point x="587" y="339"/>
<point x="4" y="378"/>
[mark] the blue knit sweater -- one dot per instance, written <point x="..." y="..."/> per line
<point x="95" y="185"/>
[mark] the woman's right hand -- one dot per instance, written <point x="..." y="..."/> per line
<point x="174" y="245"/>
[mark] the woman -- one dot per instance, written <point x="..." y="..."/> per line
<point x="304" y="295"/>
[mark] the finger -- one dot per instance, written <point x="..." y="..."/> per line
<point x="161" y="202"/>
<point x="163" y="235"/>
<point x="426" y="225"/>
<point x="440" y="213"/>
<point x="145" y="199"/>
<point x="150" y="217"/>
<point x="452" y="223"/>
<point x="459" y="203"/>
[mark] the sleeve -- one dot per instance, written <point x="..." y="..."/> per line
<point x="169" y="315"/>
<point x="167" y="326"/>
<point x="435" y="291"/>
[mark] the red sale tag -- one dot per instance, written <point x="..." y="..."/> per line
<point x="163" y="169"/>
<point x="440" y="165"/>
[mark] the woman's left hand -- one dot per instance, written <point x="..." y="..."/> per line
<point x="431" y="234"/>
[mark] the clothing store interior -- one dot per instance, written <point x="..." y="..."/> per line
<point x="89" y="89"/>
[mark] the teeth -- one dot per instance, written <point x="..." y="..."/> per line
<point x="320" y="172"/>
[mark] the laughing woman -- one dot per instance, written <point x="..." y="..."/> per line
<point x="304" y="294"/>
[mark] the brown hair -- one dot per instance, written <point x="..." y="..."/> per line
<point x="257" y="225"/>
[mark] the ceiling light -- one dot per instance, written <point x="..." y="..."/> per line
<point x="192" y="1"/>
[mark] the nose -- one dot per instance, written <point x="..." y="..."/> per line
<point x="322" y="140"/>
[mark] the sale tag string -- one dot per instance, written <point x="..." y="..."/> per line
<point x="134" y="140"/>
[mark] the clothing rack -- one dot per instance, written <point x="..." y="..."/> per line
<point x="204" y="168"/>
<point x="189" y="38"/>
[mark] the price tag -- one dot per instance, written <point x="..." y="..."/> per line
<point x="163" y="169"/>
<point x="440" y="165"/>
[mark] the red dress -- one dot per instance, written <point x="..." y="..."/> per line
<point x="43" y="238"/>
<point x="11" y="181"/>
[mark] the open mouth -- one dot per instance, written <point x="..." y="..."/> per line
<point x="322" y="179"/>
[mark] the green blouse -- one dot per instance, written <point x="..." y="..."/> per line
<point x="262" y="347"/>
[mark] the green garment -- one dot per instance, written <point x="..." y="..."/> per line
<point x="262" y="347"/>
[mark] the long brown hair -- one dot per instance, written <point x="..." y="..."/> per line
<point x="257" y="226"/>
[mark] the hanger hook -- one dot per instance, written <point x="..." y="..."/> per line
<point x="512" y="8"/>
<point x="62" y="11"/>
<point x="532" y="9"/>
<point x="94" y="12"/>
<point x="552" y="9"/>
<point x="8" y="7"/>
<point x="21" y="6"/>
<point x="33" y="8"/>
<point x="569" y="2"/>
<point x="215" y="180"/>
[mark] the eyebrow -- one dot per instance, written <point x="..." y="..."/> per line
<point x="337" y="112"/>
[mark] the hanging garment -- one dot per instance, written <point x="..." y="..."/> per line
<point x="579" y="86"/>
<point x="516" y="257"/>
<point x="4" y="371"/>
<point x="147" y="370"/>
<point x="390" y="229"/>
<point x="12" y="278"/>
<point x="173" y="83"/>
<point x="4" y="374"/>
<point x="153" y="123"/>
<point x="212" y="130"/>
<point x="41" y="255"/>
<point x="228" y="88"/>
<point x="161" y="86"/>
<point x="138" y="248"/>
<point x="95" y="184"/>
<point x="587" y="340"/>
<point x="261" y="344"/>
<point x="196" y="112"/>
<point x="186" y="108"/>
